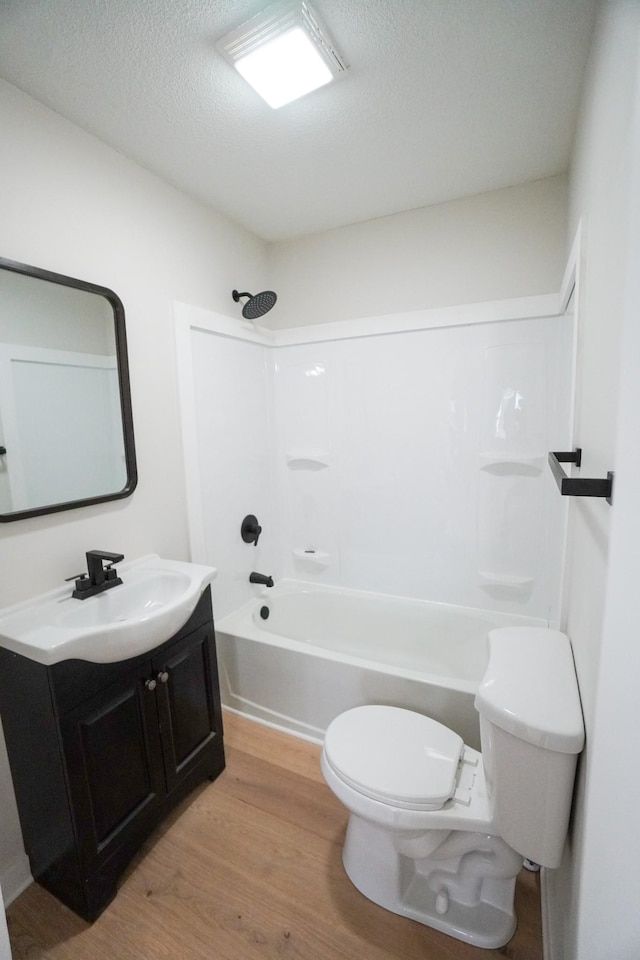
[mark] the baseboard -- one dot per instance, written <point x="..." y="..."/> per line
<point x="15" y="878"/>
<point x="280" y="727"/>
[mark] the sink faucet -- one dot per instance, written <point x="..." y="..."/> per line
<point x="261" y="578"/>
<point x="99" y="577"/>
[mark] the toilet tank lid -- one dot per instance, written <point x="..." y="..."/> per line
<point x="530" y="688"/>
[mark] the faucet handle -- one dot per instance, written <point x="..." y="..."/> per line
<point x="83" y="585"/>
<point x="250" y="530"/>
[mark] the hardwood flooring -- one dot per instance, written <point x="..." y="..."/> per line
<point x="249" y="868"/>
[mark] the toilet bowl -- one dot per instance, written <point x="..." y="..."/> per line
<point x="438" y="831"/>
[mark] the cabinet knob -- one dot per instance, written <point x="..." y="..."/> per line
<point x="150" y="684"/>
<point x="163" y="676"/>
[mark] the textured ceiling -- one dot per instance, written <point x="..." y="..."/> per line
<point x="443" y="98"/>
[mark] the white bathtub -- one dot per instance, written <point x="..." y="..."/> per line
<point x="325" y="649"/>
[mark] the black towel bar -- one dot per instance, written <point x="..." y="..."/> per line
<point x="578" y="486"/>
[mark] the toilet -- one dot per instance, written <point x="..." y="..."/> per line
<point x="438" y="831"/>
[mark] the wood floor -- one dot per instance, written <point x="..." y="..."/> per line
<point x="249" y="868"/>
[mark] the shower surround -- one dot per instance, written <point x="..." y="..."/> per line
<point x="409" y="462"/>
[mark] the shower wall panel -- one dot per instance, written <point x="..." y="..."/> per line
<point x="415" y="463"/>
<point x="232" y="393"/>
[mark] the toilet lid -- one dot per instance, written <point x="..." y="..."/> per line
<point x="394" y="756"/>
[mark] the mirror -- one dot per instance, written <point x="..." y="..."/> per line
<point x="66" y="427"/>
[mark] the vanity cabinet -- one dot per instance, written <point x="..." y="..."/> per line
<point x="100" y="752"/>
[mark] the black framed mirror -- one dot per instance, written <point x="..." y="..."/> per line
<point x="66" y="425"/>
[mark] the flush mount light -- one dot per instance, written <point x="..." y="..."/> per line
<point x="283" y="52"/>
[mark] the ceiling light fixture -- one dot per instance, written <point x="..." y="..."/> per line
<point x="283" y="52"/>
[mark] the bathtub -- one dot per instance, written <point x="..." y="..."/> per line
<point x="321" y="650"/>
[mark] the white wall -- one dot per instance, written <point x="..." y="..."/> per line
<point x="38" y="313"/>
<point x="506" y="243"/>
<point x="72" y="205"/>
<point x="610" y="880"/>
<point x="599" y="196"/>
<point x="592" y="900"/>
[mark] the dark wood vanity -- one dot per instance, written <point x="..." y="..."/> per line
<point x="100" y="752"/>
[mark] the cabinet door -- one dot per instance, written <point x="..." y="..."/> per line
<point x="189" y="707"/>
<point x="114" y="765"/>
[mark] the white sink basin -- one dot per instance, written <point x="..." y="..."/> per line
<point x="155" y="599"/>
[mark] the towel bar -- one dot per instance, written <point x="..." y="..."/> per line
<point x="578" y="486"/>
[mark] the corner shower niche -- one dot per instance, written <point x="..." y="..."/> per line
<point x="496" y="497"/>
<point x="304" y="491"/>
<point x="304" y="456"/>
<point x="511" y="489"/>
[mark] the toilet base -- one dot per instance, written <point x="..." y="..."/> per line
<point x="464" y="888"/>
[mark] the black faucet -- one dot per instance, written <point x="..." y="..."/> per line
<point x="261" y="578"/>
<point x="99" y="577"/>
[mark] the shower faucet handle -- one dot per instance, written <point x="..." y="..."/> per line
<point x="250" y="529"/>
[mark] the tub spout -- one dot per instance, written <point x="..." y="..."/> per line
<point x="261" y="578"/>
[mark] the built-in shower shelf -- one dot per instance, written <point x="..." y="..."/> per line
<point x="528" y="464"/>
<point x="307" y="459"/>
<point x="513" y="580"/>
<point x="318" y="558"/>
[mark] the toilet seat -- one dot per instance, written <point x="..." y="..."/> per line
<point x="395" y="756"/>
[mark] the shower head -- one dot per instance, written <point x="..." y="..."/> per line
<point x="256" y="306"/>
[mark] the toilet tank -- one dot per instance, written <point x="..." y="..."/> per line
<point x="531" y="733"/>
